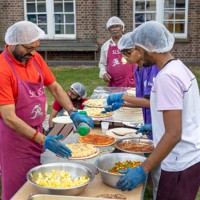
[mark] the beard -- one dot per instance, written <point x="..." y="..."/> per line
<point x="21" y="58"/>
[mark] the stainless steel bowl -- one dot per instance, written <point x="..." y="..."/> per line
<point x="133" y="141"/>
<point x="106" y="162"/>
<point x="76" y="170"/>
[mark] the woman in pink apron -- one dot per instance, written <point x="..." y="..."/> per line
<point x="122" y="73"/>
<point x="114" y="68"/>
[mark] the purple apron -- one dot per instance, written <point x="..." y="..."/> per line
<point x="121" y="72"/>
<point x="18" y="154"/>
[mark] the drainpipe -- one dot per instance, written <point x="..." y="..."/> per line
<point x="118" y="8"/>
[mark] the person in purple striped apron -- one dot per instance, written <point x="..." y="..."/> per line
<point x="23" y="76"/>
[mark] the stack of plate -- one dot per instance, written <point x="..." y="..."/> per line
<point x="125" y="114"/>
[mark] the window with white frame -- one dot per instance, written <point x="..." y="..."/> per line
<point x="172" y="13"/>
<point x="55" y="17"/>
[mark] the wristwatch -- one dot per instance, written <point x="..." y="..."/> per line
<point x="72" y="110"/>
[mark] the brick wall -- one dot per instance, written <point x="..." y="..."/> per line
<point x="86" y="20"/>
<point x="11" y="11"/>
<point x="103" y="11"/>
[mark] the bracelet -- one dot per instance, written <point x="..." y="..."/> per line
<point x="34" y="136"/>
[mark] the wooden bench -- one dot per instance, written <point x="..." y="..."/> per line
<point x="64" y="45"/>
<point x="67" y="45"/>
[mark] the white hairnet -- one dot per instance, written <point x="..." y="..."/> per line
<point x="23" y="32"/>
<point x="126" y="42"/>
<point x="154" y="37"/>
<point x="114" y="21"/>
<point x="79" y="89"/>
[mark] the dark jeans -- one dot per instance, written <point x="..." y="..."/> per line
<point x="182" y="185"/>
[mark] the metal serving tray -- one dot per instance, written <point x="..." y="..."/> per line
<point x="60" y="197"/>
<point x="133" y="140"/>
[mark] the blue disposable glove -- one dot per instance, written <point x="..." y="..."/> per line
<point x="132" y="178"/>
<point x="78" y="118"/>
<point x="146" y="129"/>
<point x="113" y="107"/>
<point x="53" y="144"/>
<point x="114" y="102"/>
<point x="115" y="98"/>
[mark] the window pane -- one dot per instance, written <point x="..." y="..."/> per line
<point x="140" y="6"/>
<point x="31" y="7"/>
<point x="59" y="29"/>
<point x="69" y="7"/>
<point x="169" y="4"/>
<point x="59" y="18"/>
<point x="32" y="18"/>
<point x="41" y="7"/>
<point x="168" y="15"/>
<point x="58" y="7"/>
<point x="69" y="18"/>
<point x="139" y="18"/>
<point x="151" y="6"/>
<point x="169" y="26"/>
<point x="179" y="27"/>
<point x="44" y="28"/>
<point x="150" y="16"/>
<point x="180" y="4"/>
<point x="69" y="29"/>
<point x="180" y="16"/>
<point x="42" y="18"/>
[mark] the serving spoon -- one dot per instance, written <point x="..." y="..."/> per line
<point x="122" y="134"/>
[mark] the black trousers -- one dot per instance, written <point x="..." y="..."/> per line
<point x="182" y="185"/>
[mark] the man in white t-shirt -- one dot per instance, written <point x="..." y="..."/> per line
<point x="175" y="109"/>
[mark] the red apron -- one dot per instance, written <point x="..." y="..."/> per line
<point x="18" y="154"/>
<point x="121" y="72"/>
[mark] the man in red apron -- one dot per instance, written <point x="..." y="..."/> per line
<point x="114" y="68"/>
<point x="23" y="75"/>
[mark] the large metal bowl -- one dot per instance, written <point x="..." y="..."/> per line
<point x="106" y="162"/>
<point x="76" y="170"/>
<point x="132" y="142"/>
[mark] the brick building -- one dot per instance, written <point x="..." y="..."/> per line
<point x="75" y="29"/>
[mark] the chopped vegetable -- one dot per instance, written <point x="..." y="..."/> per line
<point x="124" y="165"/>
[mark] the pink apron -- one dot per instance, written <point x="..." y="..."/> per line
<point x="121" y="72"/>
<point x="18" y="154"/>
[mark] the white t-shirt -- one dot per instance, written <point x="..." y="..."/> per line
<point x="175" y="88"/>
